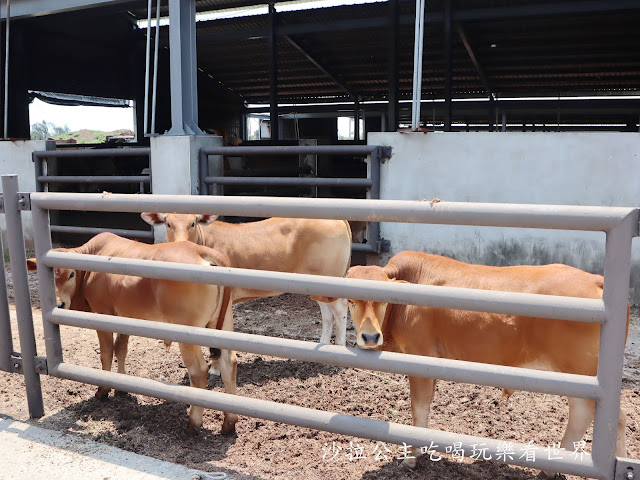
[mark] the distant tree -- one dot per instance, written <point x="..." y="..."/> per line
<point x="43" y="130"/>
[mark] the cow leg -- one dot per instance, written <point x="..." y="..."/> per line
<point x="580" y="417"/>
<point x="339" y="311"/>
<point x="198" y="375"/>
<point x="105" y="339"/>
<point x="327" y="322"/>
<point x="422" y="390"/>
<point x="121" y="348"/>
<point x="621" y="444"/>
<point x="228" y="364"/>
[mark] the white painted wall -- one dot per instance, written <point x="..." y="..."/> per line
<point x="527" y="167"/>
<point x="15" y="158"/>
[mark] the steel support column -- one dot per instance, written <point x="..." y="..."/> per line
<point x="392" y="110"/>
<point x="183" y="66"/>
<point x="22" y="297"/>
<point x="273" y="73"/>
<point x="6" y="338"/>
<point x="448" y="70"/>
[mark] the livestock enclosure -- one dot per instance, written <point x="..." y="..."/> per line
<point x="620" y="225"/>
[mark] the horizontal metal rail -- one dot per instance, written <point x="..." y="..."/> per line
<point x="543" y="306"/>
<point x="93" y="179"/>
<point x="293" y="150"/>
<point x="363" y="247"/>
<point x="145" y="234"/>
<point x="306" y="417"/>
<point x="97" y="152"/>
<point x="291" y="181"/>
<point x="513" y="378"/>
<point x="561" y="217"/>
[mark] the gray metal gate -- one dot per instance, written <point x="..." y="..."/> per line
<point x="620" y="225"/>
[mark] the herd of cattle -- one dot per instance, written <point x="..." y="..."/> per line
<point x="323" y="247"/>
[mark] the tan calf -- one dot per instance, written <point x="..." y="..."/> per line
<point x="546" y="344"/>
<point x="181" y="303"/>
<point x="315" y="247"/>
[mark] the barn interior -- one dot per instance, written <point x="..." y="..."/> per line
<point x="487" y="65"/>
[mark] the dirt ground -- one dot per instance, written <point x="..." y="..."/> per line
<point x="267" y="450"/>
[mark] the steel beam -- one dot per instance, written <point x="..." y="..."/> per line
<point x="183" y="66"/>
<point x="474" y="59"/>
<point x="448" y="65"/>
<point x="274" y="120"/>
<point x="37" y="8"/>
<point x="392" y="61"/>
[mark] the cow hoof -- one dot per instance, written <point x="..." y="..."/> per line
<point x="121" y="393"/>
<point x="191" y="430"/>
<point x="551" y="476"/>
<point x="228" y="428"/>
<point x="102" y="394"/>
<point x="409" y="463"/>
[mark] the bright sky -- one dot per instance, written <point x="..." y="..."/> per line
<point x="93" y="118"/>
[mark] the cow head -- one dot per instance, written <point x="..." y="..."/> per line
<point x="368" y="316"/>
<point x="180" y="226"/>
<point x="66" y="280"/>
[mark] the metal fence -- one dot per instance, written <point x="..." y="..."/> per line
<point x="44" y="178"/>
<point x="620" y="225"/>
<point x="375" y="155"/>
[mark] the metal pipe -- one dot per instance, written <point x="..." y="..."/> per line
<point x="94" y="231"/>
<point x="617" y="269"/>
<point x="146" y="69"/>
<point x="290" y="181"/>
<point x="37" y="165"/>
<point x="417" y="65"/>
<point x="292" y="150"/>
<point x="373" y="228"/>
<point x="98" y="152"/>
<point x="203" y="159"/>
<point x="319" y="420"/>
<point x="544" y="306"/>
<point x="46" y="285"/>
<point x="363" y="247"/>
<point x="93" y="179"/>
<point x="6" y="73"/>
<point x="155" y="70"/>
<point x="541" y="381"/>
<point x="21" y="292"/>
<point x="561" y="217"/>
<point x="6" y="337"/>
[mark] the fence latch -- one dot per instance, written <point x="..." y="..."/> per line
<point x="41" y="366"/>
<point x="16" y="363"/>
<point x="627" y="469"/>
<point x="384" y="153"/>
<point x="24" y="201"/>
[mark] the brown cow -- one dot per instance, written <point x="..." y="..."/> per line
<point x="545" y="344"/>
<point x="295" y="245"/>
<point x="194" y="304"/>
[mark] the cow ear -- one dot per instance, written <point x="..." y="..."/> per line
<point x="206" y="219"/>
<point x="32" y="265"/>
<point x="155" y="219"/>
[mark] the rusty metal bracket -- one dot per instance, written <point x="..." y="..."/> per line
<point x="24" y="201"/>
<point x="41" y="366"/>
<point x="627" y="469"/>
<point x="1" y="203"/>
<point x="16" y="363"/>
<point x="384" y="153"/>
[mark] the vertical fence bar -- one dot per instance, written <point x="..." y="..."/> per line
<point x="617" y="267"/>
<point x="42" y="240"/>
<point x="373" y="228"/>
<point x="204" y="172"/>
<point x="38" y="167"/>
<point x="6" y="338"/>
<point x="21" y="293"/>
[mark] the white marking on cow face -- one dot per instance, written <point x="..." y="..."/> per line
<point x="66" y="281"/>
<point x="368" y="318"/>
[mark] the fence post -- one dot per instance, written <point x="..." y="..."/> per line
<point x="617" y="267"/>
<point x="6" y="338"/>
<point x="21" y="293"/>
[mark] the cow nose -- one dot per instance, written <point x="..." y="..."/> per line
<point x="370" y="338"/>
<point x="61" y="305"/>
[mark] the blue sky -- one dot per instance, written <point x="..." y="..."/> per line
<point x="77" y="118"/>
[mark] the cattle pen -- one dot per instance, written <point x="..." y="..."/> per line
<point x="620" y="225"/>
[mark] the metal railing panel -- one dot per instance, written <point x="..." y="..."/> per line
<point x="306" y="417"/>
<point x="143" y="234"/>
<point x="26" y="333"/>
<point x="292" y="150"/>
<point x="527" y="304"/>
<point x="94" y="179"/>
<point x="96" y="152"/>
<point x="500" y="376"/>
<point x="559" y="217"/>
<point x="291" y="181"/>
<point x="617" y="269"/>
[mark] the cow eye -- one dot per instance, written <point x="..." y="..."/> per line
<point x="168" y="225"/>
<point x="73" y="274"/>
<point x="193" y="225"/>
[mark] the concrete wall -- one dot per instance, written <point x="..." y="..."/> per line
<point x="15" y="158"/>
<point x="528" y="167"/>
